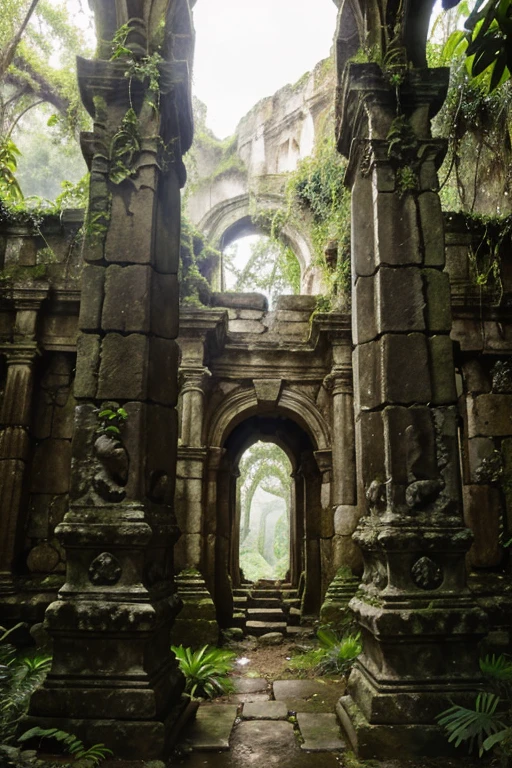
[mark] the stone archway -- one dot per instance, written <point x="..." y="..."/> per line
<point x="305" y="512"/>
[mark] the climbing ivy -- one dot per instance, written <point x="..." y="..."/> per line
<point x="316" y="193"/>
<point x="198" y="264"/>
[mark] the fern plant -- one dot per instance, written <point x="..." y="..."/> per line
<point x="335" y="655"/>
<point x="489" y="724"/>
<point x="20" y="675"/>
<point x="71" y="744"/>
<point x="206" y="670"/>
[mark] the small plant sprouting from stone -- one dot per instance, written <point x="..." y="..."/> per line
<point x="491" y="469"/>
<point x="111" y="422"/>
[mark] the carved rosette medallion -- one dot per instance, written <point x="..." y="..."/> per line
<point x="105" y="570"/>
<point x="426" y="574"/>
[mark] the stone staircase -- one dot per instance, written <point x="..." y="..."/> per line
<point x="266" y="607"/>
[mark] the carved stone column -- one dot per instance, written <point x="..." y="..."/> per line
<point x="192" y="394"/>
<point x="419" y="624"/>
<point x="15" y="419"/>
<point x="113" y="677"/>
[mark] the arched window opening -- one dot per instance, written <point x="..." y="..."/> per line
<point x="259" y="263"/>
<point x="265" y="494"/>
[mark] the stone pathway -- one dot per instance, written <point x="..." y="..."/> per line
<point x="290" y="724"/>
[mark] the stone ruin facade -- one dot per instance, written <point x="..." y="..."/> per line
<point x="396" y="417"/>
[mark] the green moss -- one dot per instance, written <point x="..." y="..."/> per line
<point x="20" y="274"/>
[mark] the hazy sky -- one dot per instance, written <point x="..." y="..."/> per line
<point x="248" y="49"/>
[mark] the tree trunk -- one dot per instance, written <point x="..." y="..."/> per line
<point x="10" y="50"/>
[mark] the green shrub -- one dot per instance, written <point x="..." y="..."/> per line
<point x="205" y="670"/>
<point x="488" y="725"/>
<point x="335" y="655"/>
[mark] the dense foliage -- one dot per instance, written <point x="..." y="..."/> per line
<point x="40" y="108"/>
<point x="488" y="725"/>
<point x="206" y="670"/>
<point x="264" y="466"/>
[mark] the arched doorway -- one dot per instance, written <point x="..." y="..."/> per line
<point x="223" y="550"/>
<point x="264" y="500"/>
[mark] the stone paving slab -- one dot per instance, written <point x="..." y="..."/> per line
<point x="321" y="732"/>
<point x="268" y="710"/>
<point x="249" y="684"/>
<point x="308" y="695"/>
<point x="212" y="727"/>
<point x="260" y="744"/>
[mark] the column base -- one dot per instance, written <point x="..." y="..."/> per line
<point x="385" y="741"/>
<point x="128" y="739"/>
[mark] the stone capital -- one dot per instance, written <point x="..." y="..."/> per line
<point x="339" y="380"/>
<point x="20" y="354"/>
<point x="369" y="103"/>
<point x="193" y="378"/>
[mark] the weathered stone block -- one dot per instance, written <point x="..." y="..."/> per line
<point x="296" y="303"/>
<point x="87" y="364"/>
<point x="86" y="424"/>
<point x="398" y="239"/>
<point x="489" y="415"/>
<point x="91" y="300"/>
<point x="38" y="514"/>
<point x="63" y="418"/>
<point x="476" y="380"/>
<point x="405" y="369"/>
<point x="124" y="367"/>
<point x="363" y="239"/>
<point x="167" y="225"/>
<point x="370" y="448"/>
<point x="482" y="514"/>
<point x="161" y="450"/>
<point x="437" y="290"/>
<point x="164" y="305"/>
<point x="42" y="559"/>
<point x="346" y="519"/>
<point x="163" y="371"/>
<point x="51" y="467"/>
<point x="240" y="301"/>
<point x="126" y="305"/>
<point x="400" y="303"/>
<point x="246" y="326"/>
<point x="409" y="444"/>
<point x="478" y="449"/>
<point x="363" y="315"/>
<point x="393" y="369"/>
<point x="367" y="376"/>
<point x="432" y="228"/>
<point x="442" y="372"/>
<point x="428" y="176"/>
<point x="129" y="239"/>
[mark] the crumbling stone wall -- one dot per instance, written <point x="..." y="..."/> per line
<point x="233" y="183"/>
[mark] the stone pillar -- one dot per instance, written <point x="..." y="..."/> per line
<point x="15" y="422"/>
<point x="296" y="527"/>
<point x="113" y="677"/>
<point x="190" y="469"/>
<point x="344" y="481"/>
<point x="15" y="419"/>
<point x="215" y="455"/>
<point x="419" y="624"/>
<point x="312" y="530"/>
<point x="192" y="414"/>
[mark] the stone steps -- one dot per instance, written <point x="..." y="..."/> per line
<point x="266" y="614"/>
<point x="259" y="628"/>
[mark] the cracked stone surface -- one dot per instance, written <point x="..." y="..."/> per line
<point x="308" y="695"/>
<point x="260" y="743"/>
<point x="268" y="710"/>
<point x="320" y="732"/>
<point x="212" y="727"/>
